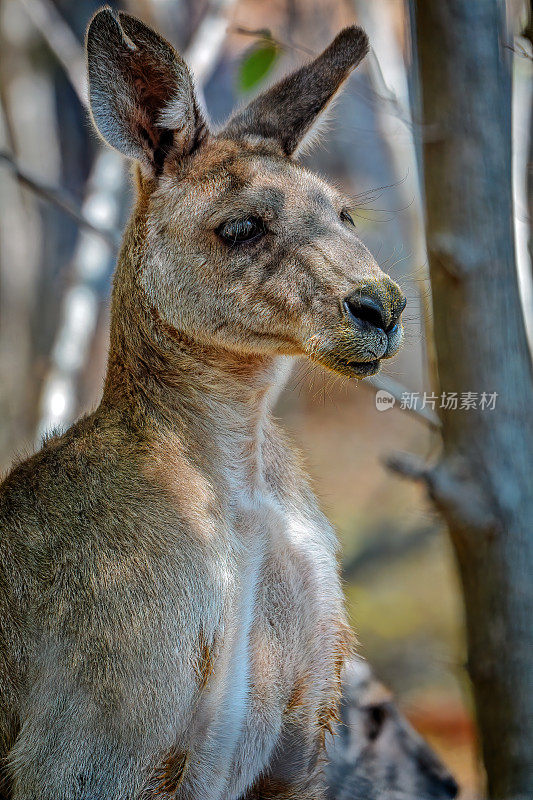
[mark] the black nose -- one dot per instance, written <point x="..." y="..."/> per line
<point x="451" y="787"/>
<point x="364" y="308"/>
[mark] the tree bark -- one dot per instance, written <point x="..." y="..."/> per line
<point x="528" y="33"/>
<point x="482" y="483"/>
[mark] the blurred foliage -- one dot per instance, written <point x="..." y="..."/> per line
<point x="257" y="63"/>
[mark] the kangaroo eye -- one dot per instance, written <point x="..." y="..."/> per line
<point x="235" y="231"/>
<point x="376" y="716"/>
<point x="347" y="217"/>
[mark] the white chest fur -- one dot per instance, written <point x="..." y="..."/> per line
<point x="239" y="717"/>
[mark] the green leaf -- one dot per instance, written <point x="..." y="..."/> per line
<point x="257" y="64"/>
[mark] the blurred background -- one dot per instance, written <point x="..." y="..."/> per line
<point x="63" y="202"/>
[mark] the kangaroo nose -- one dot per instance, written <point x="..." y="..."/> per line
<point x="367" y="308"/>
<point x="450" y="786"/>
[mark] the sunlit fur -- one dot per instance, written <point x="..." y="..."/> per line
<point x="172" y="617"/>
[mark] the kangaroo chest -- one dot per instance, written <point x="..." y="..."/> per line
<point x="279" y="626"/>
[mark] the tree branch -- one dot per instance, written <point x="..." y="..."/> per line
<point x="266" y="35"/>
<point x="408" y="465"/>
<point x="453" y="489"/>
<point x="59" y="198"/>
<point x="204" y="49"/>
<point x="383" y="549"/>
<point x="397" y="390"/>
<point x="62" y="42"/>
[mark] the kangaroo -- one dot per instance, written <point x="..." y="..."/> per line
<point x="172" y="622"/>
<point x="377" y="754"/>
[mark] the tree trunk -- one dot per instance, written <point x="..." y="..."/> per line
<point x="482" y="483"/>
<point x="528" y="33"/>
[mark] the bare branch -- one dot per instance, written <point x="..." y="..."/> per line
<point x="519" y="50"/>
<point x="397" y="390"/>
<point x="453" y="489"/>
<point x="62" y="41"/>
<point x="384" y="93"/>
<point x="408" y="466"/>
<point x="265" y="35"/>
<point x="203" y="51"/>
<point x="383" y="549"/>
<point x="59" y="198"/>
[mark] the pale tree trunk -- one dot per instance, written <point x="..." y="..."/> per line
<point x="528" y="33"/>
<point x="482" y="482"/>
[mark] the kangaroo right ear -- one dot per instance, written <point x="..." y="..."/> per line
<point x="141" y="93"/>
<point x="287" y="111"/>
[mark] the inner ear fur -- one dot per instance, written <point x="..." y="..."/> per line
<point x="140" y="91"/>
<point x="287" y="111"/>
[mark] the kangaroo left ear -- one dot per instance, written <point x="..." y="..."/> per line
<point x="140" y="91"/>
<point x="287" y="111"/>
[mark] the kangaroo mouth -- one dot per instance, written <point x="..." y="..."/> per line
<point x="363" y="369"/>
<point x="354" y="355"/>
<point x="349" y="367"/>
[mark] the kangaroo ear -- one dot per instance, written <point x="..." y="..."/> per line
<point x="287" y="111"/>
<point x="140" y="91"/>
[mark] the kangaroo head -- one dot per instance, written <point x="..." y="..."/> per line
<point x="377" y="754"/>
<point x="238" y="245"/>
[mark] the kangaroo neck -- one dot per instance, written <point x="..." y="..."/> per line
<point x="215" y="401"/>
